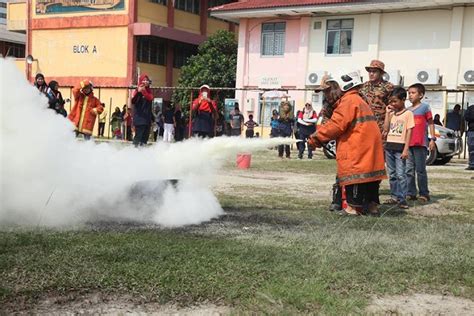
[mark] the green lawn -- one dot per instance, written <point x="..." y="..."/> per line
<point x="270" y="253"/>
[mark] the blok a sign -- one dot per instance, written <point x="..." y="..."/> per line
<point x="84" y="49"/>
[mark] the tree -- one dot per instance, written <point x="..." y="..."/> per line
<point x="215" y="65"/>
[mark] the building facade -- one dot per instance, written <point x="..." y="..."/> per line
<point x="3" y="12"/>
<point x="112" y="42"/>
<point x="290" y="45"/>
<point x="12" y="44"/>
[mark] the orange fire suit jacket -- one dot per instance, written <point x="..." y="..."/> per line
<point x="85" y="110"/>
<point x="359" y="150"/>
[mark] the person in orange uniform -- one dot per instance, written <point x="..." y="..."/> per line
<point x="85" y="110"/>
<point x="360" y="158"/>
<point x="205" y="111"/>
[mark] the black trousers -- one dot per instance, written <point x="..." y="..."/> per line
<point x="286" y="148"/>
<point x="362" y="194"/>
<point x="249" y="133"/>
<point x="301" y="145"/>
<point x="101" y="129"/>
<point x="142" y="132"/>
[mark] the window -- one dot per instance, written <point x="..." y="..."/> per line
<point x="163" y="2"/>
<point x="151" y="50"/>
<point x="267" y="110"/>
<point x="3" y="15"/>
<point x="187" y="5"/>
<point x="339" y="36"/>
<point x="3" y="5"/>
<point x="273" y="39"/>
<point x="15" y="50"/>
<point x="181" y="54"/>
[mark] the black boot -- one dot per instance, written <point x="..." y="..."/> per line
<point x="336" y="204"/>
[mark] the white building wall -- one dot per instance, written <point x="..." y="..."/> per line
<point x="467" y="43"/>
<point x="406" y="41"/>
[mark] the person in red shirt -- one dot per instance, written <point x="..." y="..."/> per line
<point x="204" y="112"/>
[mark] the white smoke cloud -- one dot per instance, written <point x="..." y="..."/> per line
<point x="48" y="178"/>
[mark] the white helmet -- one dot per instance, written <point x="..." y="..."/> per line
<point x="205" y="86"/>
<point x="346" y="80"/>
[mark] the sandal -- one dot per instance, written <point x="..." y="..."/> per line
<point x="390" y="201"/>
<point x="411" y="197"/>
<point x="424" y="198"/>
<point x="345" y="213"/>
<point x="403" y="205"/>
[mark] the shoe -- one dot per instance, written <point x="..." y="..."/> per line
<point x="345" y="213"/>
<point x="469" y="168"/>
<point x="300" y="156"/>
<point x="403" y="205"/>
<point x="424" y="198"/>
<point x="310" y="157"/>
<point x="373" y="210"/>
<point x="411" y="198"/>
<point x="390" y="201"/>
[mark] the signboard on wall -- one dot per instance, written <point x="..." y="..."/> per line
<point x="269" y="82"/>
<point x="74" y="6"/>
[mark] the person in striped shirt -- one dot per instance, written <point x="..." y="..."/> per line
<point x="250" y="124"/>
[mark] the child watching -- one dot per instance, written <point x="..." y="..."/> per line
<point x="250" y="124"/>
<point x="399" y="123"/>
<point x="418" y="143"/>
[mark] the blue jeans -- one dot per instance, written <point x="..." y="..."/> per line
<point x="470" y="144"/>
<point x="416" y="163"/>
<point x="397" y="175"/>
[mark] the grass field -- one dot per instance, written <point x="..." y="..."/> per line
<point x="276" y="250"/>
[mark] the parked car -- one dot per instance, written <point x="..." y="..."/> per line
<point x="448" y="144"/>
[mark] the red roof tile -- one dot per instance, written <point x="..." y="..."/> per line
<point x="263" y="4"/>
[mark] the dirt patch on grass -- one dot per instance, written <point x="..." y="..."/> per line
<point x="420" y="304"/>
<point x="101" y="304"/>
<point x="435" y="209"/>
<point x="307" y="185"/>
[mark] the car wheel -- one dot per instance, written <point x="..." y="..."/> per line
<point x="332" y="146"/>
<point x="432" y="156"/>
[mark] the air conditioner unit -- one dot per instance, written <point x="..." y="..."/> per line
<point x="428" y="76"/>
<point x="250" y="106"/>
<point x="314" y="77"/>
<point x="467" y="77"/>
<point x="393" y="76"/>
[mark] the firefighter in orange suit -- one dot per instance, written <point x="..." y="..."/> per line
<point x="360" y="157"/>
<point x="85" y="110"/>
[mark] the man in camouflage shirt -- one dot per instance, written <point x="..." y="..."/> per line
<point x="376" y="91"/>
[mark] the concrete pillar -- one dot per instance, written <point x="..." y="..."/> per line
<point x="302" y="64"/>
<point x="374" y="35"/>
<point x="242" y="57"/>
<point x="170" y="15"/>
<point x="450" y="79"/>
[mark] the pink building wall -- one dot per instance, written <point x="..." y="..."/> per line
<point x="290" y="68"/>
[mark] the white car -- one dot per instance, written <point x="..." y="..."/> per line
<point x="448" y="144"/>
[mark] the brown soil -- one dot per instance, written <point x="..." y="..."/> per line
<point x="100" y="304"/>
<point x="421" y="304"/>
